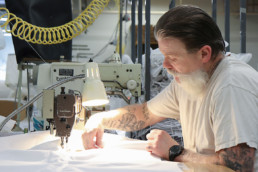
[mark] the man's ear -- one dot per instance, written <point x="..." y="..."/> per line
<point x="206" y="53"/>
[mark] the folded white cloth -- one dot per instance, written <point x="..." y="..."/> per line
<point x="40" y="151"/>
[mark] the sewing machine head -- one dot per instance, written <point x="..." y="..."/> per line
<point x="66" y="107"/>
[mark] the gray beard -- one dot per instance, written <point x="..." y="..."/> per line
<point x="193" y="83"/>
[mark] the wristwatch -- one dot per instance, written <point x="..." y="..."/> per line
<point x="174" y="151"/>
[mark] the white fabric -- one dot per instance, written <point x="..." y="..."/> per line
<point x="5" y="92"/>
<point x="8" y="126"/>
<point x="245" y="57"/>
<point x="39" y="151"/>
<point x="12" y="73"/>
<point x="225" y="116"/>
<point x="2" y="40"/>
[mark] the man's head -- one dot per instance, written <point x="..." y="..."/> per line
<point x="191" y="43"/>
<point x="193" y="26"/>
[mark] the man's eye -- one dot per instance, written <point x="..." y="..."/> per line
<point x="172" y="59"/>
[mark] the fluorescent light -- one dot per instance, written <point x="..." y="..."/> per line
<point x="3" y="19"/>
<point x="7" y="34"/>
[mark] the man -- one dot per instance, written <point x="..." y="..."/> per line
<point x="214" y="97"/>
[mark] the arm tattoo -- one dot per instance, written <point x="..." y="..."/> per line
<point x="238" y="158"/>
<point x="131" y="110"/>
<point x="145" y="111"/>
<point x="127" y="122"/>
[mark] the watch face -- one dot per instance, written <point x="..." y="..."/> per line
<point x="174" y="151"/>
<point x="177" y="148"/>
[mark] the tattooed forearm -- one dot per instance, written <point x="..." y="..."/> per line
<point x="130" y="123"/>
<point x="145" y="111"/>
<point x="131" y="110"/>
<point x="111" y="124"/>
<point x="238" y="158"/>
<point x="127" y="121"/>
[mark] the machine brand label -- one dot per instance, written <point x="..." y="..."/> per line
<point x="61" y="78"/>
<point x="66" y="111"/>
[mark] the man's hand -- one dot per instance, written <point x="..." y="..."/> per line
<point x="159" y="142"/>
<point x="92" y="136"/>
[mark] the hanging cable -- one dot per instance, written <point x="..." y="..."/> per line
<point x="53" y="35"/>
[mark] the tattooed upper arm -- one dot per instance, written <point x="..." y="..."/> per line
<point x="238" y="158"/>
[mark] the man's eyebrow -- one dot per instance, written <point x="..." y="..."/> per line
<point x="172" y="54"/>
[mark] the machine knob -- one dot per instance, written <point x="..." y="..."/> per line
<point x="131" y="84"/>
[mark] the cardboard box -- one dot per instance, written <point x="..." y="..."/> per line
<point x="8" y="106"/>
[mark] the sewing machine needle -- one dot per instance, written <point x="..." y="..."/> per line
<point x="62" y="142"/>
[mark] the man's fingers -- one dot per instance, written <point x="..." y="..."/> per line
<point x="148" y="148"/>
<point x="99" y="137"/>
<point x="87" y="139"/>
<point x="150" y="136"/>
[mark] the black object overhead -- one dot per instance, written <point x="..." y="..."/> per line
<point x="42" y="13"/>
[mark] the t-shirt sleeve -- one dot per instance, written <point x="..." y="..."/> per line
<point x="165" y="104"/>
<point x="235" y="118"/>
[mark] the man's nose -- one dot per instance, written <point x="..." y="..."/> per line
<point x="167" y="65"/>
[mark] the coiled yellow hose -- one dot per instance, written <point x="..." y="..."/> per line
<point x="54" y="35"/>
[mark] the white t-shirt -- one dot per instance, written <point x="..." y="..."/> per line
<point x="225" y="116"/>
